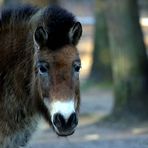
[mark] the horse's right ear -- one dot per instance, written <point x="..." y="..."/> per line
<point x="40" y="36"/>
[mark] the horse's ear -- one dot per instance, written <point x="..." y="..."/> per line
<point x="40" y="36"/>
<point x="75" y="33"/>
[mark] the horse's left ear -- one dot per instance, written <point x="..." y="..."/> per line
<point x="40" y="36"/>
<point x="75" y="33"/>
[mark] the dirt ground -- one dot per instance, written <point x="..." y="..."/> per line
<point x="90" y="134"/>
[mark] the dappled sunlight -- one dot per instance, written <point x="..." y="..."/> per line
<point x="86" y="48"/>
<point x="89" y="120"/>
<point x="92" y="137"/>
<point x="144" y="24"/>
<point x="144" y="21"/>
<point x="94" y="132"/>
<point x="140" y="130"/>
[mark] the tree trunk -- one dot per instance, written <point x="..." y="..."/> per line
<point x="101" y="67"/>
<point x="129" y="60"/>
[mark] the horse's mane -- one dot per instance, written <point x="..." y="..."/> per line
<point x="56" y="20"/>
<point x="16" y="15"/>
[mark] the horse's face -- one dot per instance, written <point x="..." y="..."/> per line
<point x="57" y="81"/>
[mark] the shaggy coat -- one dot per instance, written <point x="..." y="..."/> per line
<point x="20" y="104"/>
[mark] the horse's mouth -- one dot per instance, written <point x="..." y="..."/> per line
<point x="65" y="134"/>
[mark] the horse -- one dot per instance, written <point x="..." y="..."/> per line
<point x="39" y="72"/>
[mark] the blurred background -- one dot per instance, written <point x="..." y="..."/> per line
<point x="114" y="75"/>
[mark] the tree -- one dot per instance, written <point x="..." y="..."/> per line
<point x="101" y="67"/>
<point x="129" y="60"/>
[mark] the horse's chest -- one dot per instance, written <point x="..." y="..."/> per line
<point x="20" y="137"/>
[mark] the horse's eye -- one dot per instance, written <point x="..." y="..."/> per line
<point x="43" y="68"/>
<point x="77" y="67"/>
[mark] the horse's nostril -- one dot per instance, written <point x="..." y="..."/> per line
<point x="72" y="121"/>
<point x="59" y="120"/>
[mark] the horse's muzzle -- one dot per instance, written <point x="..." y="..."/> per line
<point x="65" y="127"/>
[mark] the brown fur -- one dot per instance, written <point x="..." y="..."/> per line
<point x="21" y="89"/>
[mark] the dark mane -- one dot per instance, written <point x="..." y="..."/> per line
<point x="57" y="22"/>
<point x="16" y="14"/>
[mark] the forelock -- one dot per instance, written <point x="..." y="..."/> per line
<point x="58" y="22"/>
